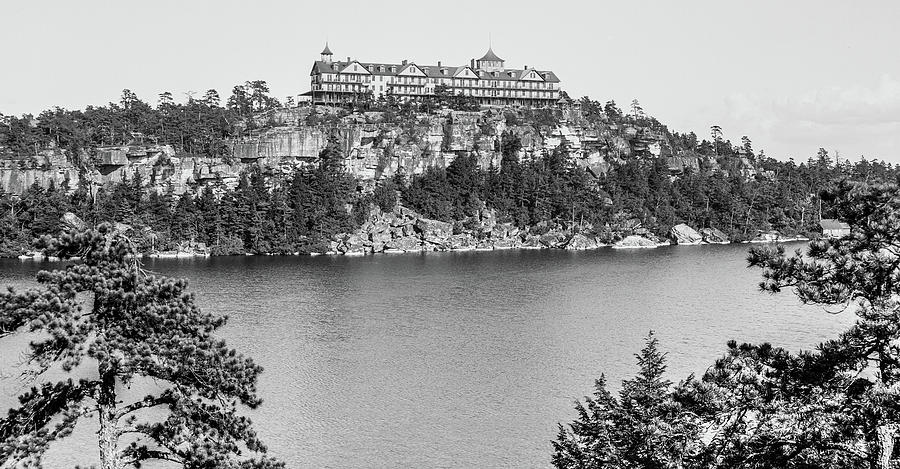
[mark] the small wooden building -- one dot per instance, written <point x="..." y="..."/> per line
<point x="832" y="228"/>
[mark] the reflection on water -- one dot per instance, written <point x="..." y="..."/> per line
<point x="462" y="359"/>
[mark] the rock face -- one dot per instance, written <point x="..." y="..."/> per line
<point x="580" y="242"/>
<point x="635" y="242"/>
<point x="406" y="231"/>
<point x="714" y="236"/>
<point x="683" y="234"/>
<point x="374" y="145"/>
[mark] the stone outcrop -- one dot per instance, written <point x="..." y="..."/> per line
<point x="683" y="234"/>
<point x="73" y="222"/>
<point x="406" y="231"/>
<point x="580" y="242"/>
<point x="635" y="242"/>
<point x="714" y="236"/>
<point x="374" y="145"/>
<point x="766" y="237"/>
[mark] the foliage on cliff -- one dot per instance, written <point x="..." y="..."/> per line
<point x="303" y="210"/>
<point x="200" y="126"/>
<point x="112" y="324"/>
<point x="763" y="407"/>
<point x="783" y="197"/>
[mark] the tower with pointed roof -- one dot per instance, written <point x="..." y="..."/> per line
<point x="490" y="62"/>
<point x="326" y="54"/>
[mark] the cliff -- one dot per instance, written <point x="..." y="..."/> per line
<point x="375" y="145"/>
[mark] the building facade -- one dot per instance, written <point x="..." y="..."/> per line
<point x="487" y="80"/>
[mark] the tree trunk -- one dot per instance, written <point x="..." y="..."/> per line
<point x="885" y="442"/>
<point x="108" y="435"/>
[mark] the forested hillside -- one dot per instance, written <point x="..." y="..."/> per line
<point x="585" y="167"/>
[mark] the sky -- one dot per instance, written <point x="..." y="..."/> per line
<point x="794" y="75"/>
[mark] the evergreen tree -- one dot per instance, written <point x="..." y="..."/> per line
<point x="644" y="427"/>
<point x="107" y="314"/>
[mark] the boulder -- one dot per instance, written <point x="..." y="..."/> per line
<point x="406" y="243"/>
<point x="580" y="242"/>
<point x="766" y="237"/>
<point x="461" y="242"/>
<point x="714" y="236"/>
<point x="72" y="221"/>
<point x="500" y="230"/>
<point x="427" y="225"/>
<point x="506" y="243"/>
<point x="553" y="240"/>
<point x="683" y="234"/>
<point x="355" y="250"/>
<point x="532" y="242"/>
<point x="121" y="227"/>
<point x="634" y="241"/>
<point x="355" y="240"/>
<point x="380" y="237"/>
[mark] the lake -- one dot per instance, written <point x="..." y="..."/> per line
<point x="458" y="360"/>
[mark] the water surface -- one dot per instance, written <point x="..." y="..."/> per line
<point x="457" y="360"/>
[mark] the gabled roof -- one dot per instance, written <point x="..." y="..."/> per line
<point x="490" y="56"/>
<point x="832" y="224"/>
<point x="411" y="67"/>
<point x="461" y="70"/>
<point x="361" y="69"/>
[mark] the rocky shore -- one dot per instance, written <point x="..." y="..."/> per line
<point x="404" y="230"/>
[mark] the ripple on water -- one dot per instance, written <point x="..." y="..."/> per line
<point x="462" y="359"/>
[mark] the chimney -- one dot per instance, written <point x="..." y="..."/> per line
<point x="472" y="63"/>
<point x="439" y="63"/>
<point x="404" y="62"/>
<point x="526" y="67"/>
<point x="348" y="58"/>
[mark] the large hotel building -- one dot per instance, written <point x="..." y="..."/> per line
<point x="485" y="79"/>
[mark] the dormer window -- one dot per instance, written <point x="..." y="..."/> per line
<point x="443" y="71"/>
<point x="393" y="69"/>
<point x="381" y="68"/>
<point x="371" y="68"/>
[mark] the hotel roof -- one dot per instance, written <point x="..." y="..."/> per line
<point x="433" y="71"/>
<point x="491" y="56"/>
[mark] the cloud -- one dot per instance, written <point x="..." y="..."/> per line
<point x="855" y="120"/>
<point x="846" y="105"/>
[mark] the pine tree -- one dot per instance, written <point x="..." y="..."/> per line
<point x="105" y="313"/>
<point x="858" y="272"/>
<point x="643" y="428"/>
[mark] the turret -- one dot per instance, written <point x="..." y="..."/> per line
<point x="490" y="62"/>
<point x="326" y="54"/>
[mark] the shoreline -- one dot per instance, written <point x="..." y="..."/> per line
<point x="794" y="239"/>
